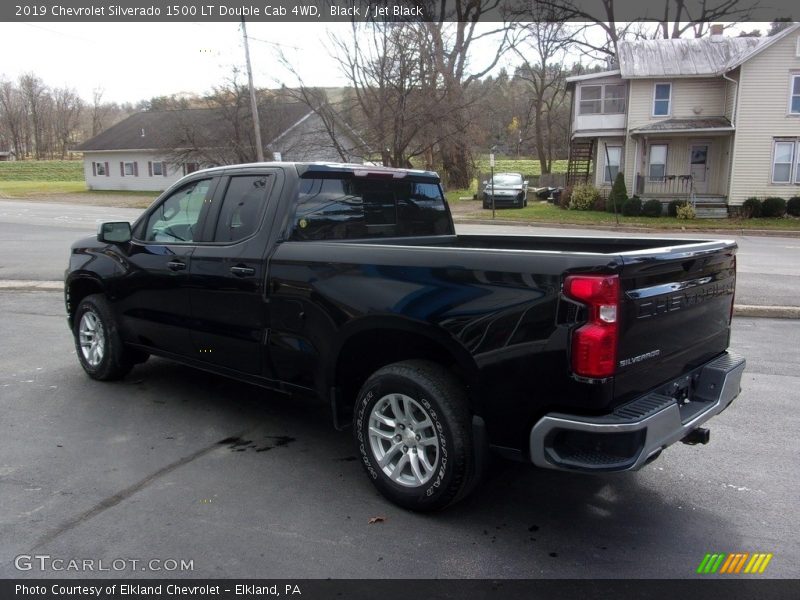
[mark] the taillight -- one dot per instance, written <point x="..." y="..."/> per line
<point x="594" y="345"/>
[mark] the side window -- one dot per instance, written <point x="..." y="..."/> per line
<point x="176" y="219"/>
<point x="242" y="206"/>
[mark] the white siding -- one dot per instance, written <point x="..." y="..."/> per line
<point x="115" y="181"/>
<point x="696" y="97"/>
<point x="600" y="164"/>
<point x="761" y="115"/>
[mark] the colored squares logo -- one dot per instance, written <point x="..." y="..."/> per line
<point x="734" y="563"/>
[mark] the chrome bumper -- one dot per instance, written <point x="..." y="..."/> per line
<point x="636" y="432"/>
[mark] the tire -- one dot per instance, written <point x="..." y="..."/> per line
<point x="98" y="343"/>
<point x="435" y="462"/>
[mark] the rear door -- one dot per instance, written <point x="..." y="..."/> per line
<point x="228" y="273"/>
<point x="676" y="311"/>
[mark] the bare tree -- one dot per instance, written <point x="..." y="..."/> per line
<point x="67" y="109"/>
<point x="385" y="66"/>
<point x="453" y="30"/>
<point x="548" y="41"/>
<point x="34" y="92"/>
<point x="678" y="18"/>
<point x="13" y="116"/>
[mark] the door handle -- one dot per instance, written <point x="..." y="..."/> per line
<point x="241" y="271"/>
<point x="176" y="265"/>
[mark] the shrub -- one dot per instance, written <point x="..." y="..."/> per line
<point x="686" y="212"/>
<point x="599" y="203"/>
<point x="565" y="197"/>
<point x="751" y="208"/>
<point x="793" y="206"/>
<point x="632" y="207"/>
<point x="583" y="197"/>
<point x="652" y="208"/>
<point x="618" y="195"/>
<point x="672" y="207"/>
<point x="773" y="207"/>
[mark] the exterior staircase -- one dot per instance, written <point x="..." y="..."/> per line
<point x="579" y="166"/>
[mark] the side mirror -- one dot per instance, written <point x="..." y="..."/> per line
<point x="116" y="232"/>
<point x="525" y="183"/>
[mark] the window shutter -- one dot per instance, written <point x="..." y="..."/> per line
<point x="121" y="169"/>
<point x="135" y="168"/>
<point x="108" y="173"/>
<point x="94" y="169"/>
<point x="149" y="168"/>
<point x="164" y="168"/>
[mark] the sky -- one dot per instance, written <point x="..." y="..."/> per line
<point x="131" y="62"/>
<point x="137" y="61"/>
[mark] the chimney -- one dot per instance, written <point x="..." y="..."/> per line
<point x="717" y="30"/>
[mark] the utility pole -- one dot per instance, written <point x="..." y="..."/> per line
<point x="253" y="103"/>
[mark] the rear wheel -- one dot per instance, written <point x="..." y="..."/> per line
<point x="98" y="343"/>
<point x="413" y="433"/>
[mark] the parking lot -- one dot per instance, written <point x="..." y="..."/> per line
<point x="175" y="464"/>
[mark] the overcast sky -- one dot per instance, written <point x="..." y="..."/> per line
<point x="136" y="61"/>
<point x="131" y="62"/>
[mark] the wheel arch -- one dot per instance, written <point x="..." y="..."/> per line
<point x="372" y="342"/>
<point x="76" y="288"/>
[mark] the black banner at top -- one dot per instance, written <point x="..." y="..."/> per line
<point x="313" y="11"/>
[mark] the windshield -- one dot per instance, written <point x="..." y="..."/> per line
<point x="507" y="179"/>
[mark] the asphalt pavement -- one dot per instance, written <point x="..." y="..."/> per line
<point x="176" y="464"/>
<point x="35" y="239"/>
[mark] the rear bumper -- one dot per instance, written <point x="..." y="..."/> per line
<point x="636" y="432"/>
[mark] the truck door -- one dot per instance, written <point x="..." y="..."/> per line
<point x="228" y="274"/>
<point x="154" y="297"/>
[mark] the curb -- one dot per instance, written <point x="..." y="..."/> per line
<point x="30" y="284"/>
<point x="629" y="228"/>
<point x="739" y="310"/>
<point x="769" y="312"/>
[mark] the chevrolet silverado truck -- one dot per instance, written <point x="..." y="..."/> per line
<point x="349" y="283"/>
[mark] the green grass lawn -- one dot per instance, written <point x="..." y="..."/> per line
<point x="41" y="170"/>
<point x="540" y="212"/>
<point x="24" y="189"/>
<point x="526" y="166"/>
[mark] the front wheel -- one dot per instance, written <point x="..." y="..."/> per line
<point x="413" y="434"/>
<point x="98" y="343"/>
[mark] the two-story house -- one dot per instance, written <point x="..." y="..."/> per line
<point x="714" y="119"/>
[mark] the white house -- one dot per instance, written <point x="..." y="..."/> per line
<point x="151" y="150"/>
<point x="715" y="118"/>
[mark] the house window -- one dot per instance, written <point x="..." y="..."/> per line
<point x="129" y="168"/>
<point x="100" y="168"/>
<point x="591" y="99"/>
<point x="613" y="99"/>
<point x="662" y="98"/>
<point x="794" y="98"/>
<point x="602" y="99"/>
<point x="782" y="159"/>
<point x="658" y="162"/>
<point x="158" y="168"/>
<point x="191" y="167"/>
<point x="613" y="162"/>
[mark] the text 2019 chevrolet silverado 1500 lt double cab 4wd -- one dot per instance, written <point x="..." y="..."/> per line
<point x="349" y="282"/>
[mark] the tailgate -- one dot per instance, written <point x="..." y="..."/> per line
<point x="676" y="309"/>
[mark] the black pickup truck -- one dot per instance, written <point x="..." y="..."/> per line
<point x="349" y="282"/>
